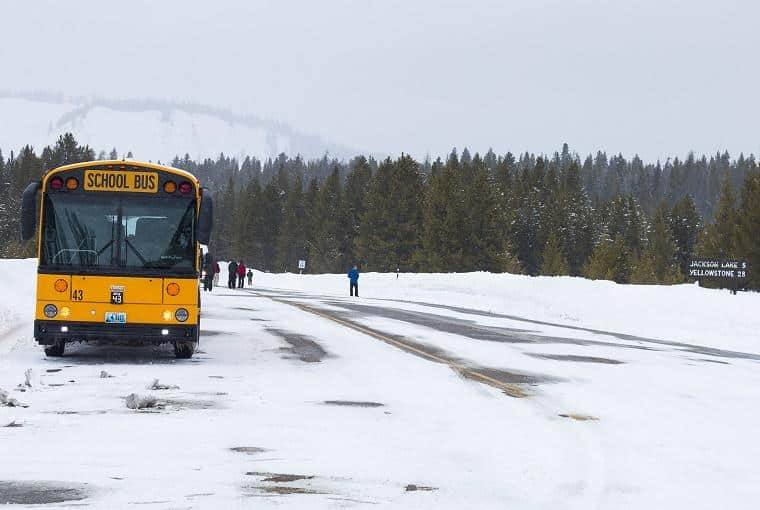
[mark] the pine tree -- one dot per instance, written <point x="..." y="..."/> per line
<point x="719" y="239"/>
<point x="291" y="243"/>
<point x="610" y="260"/>
<point x="355" y="197"/>
<point x="443" y="221"/>
<point x="66" y="151"/>
<point x="685" y="225"/>
<point x="554" y="262"/>
<point x="483" y="233"/>
<point x="390" y="232"/>
<point x="659" y="261"/>
<point x="748" y="240"/>
<point x="326" y="256"/>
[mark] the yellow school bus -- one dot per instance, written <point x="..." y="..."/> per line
<point x="119" y="254"/>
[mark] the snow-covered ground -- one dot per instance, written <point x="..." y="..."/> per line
<point x="282" y="408"/>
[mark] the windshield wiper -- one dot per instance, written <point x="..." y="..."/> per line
<point x="134" y="250"/>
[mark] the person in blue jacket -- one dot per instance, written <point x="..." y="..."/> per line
<point x="353" y="275"/>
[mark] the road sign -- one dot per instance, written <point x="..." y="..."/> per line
<point x="718" y="268"/>
<point x="301" y="264"/>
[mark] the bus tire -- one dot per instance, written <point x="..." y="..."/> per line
<point x="184" y="350"/>
<point x="55" y="350"/>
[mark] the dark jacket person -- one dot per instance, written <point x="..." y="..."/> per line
<point x="231" y="274"/>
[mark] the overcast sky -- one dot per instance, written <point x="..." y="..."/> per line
<point x="655" y="77"/>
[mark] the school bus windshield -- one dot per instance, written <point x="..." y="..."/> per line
<point x="118" y="233"/>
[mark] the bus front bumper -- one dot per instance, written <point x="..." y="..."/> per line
<point x="51" y="332"/>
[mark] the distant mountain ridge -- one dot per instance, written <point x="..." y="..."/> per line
<point x="152" y="128"/>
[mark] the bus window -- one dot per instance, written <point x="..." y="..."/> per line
<point x="114" y="232"/>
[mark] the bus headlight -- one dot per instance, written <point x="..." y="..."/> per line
<point x="181" y="315"/>
<point x="65" y="311"/>
<point x="50" y="311"/>
<point x="167" y="315"/>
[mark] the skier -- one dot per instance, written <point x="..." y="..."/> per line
<point x="241" y="274"/>
<point x="353" y="275"/>
<point x="250" y="278"/>
<point x="231" y="274"/>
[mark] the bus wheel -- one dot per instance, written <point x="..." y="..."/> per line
<point x="55" y="350"/>
<point x="184" y="350"/>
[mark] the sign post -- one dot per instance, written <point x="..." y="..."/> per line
<point x="733" y="271"/>
<point x="301" y="266"/>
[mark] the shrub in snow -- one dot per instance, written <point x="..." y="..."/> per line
<point x="104" y="374"/>
<point x="28" y="375"/>
<point x="156" y="386"/>
<point x="6" y="400"/>
<point x="135" y="401"/>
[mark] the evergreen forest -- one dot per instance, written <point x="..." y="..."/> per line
<point x="599" y="216"/>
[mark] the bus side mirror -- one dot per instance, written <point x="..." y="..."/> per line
<point x="29" y="206"/>
<point x="205" y="219"/>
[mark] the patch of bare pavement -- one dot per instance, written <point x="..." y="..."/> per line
<point x="301" y="346"/>
<point x="478" y="332"/>
<point x="466" y="328"/>
<point x="414" y="487"/>
<point x="352" y="403"/>
<point x="248" y="450"/>
<point x="40" y="492"/>
<point x="278" y="477"/>
<point x="579" y="359"/>
<point x="696" y="349"/>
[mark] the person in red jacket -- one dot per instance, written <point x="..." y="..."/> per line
<point x="216" y="274"/>
<point x="241" y="274"/>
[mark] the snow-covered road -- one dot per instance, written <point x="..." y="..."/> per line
<point x="285" y="408"/>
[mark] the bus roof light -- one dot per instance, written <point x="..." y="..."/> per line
<point x="56" y="183"/>
<point x="185" y="188"/>
<point x="170" y="186"/>
<point x="72" y="183"/>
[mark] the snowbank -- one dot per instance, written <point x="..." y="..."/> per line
<point x="16" y="291"/>
<point x="683" y="313"/>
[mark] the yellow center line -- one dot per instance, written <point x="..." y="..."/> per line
<point x="509" y="389"/>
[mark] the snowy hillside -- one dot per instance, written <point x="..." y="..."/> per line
<point x="152" y="130"/>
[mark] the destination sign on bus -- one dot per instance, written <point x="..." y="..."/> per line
<point x="109" y="180"/>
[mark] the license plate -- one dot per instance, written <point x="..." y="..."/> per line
<point x="116" y="317"/>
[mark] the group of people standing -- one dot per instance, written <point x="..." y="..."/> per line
<point x="237" y="273"/>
